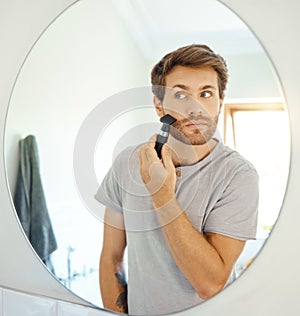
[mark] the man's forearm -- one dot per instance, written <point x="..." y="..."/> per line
<point x="195" y="256"/>
<point x="113" y="286"/>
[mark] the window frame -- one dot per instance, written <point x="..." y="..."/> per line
<point x="234" y="106"/>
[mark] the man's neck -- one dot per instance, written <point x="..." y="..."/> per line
<point x="186" y="155"/>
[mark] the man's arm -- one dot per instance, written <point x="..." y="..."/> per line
<point x="112" y="276"/>
<point x="206" y="260"/>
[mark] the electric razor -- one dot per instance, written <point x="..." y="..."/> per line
<point x="163" y="134"/>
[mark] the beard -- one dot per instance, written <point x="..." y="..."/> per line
<point x="199" y="134"/>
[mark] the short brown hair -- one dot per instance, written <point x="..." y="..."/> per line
<point x="194" y="56"/>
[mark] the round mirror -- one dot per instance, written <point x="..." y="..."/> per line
<point x="96" y="50"/>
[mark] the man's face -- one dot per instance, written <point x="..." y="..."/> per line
<point x="192" y="97"/>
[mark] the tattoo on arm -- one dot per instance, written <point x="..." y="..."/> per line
<point x="122" y="298"/>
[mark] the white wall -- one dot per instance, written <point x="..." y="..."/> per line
<point x="252" y="76"/>
<point x="84" y="56"/>
<point x="271" y="283"/>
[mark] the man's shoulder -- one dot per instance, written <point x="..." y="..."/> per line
<point x="125" y="159"/>
<point x="125" y="153"/>
<point x="236" y="160"/>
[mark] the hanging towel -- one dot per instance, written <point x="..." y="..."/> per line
<point x="30" y="202"/>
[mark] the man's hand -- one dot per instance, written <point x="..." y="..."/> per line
<point x="158" y="175"/>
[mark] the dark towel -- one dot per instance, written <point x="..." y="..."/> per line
<point x="30" y="202"/>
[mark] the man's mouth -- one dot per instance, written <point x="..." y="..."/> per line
<point x="196" y="124"/>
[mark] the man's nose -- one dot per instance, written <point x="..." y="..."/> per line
<point x="194" y="107"/>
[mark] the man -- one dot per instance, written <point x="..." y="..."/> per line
<point x="184" y="218"/>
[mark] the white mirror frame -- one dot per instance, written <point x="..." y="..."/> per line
<point x="271" y="284"/>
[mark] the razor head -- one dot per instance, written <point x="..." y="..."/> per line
<point x="168" y="119"/>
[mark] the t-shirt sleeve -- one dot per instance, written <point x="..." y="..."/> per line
<point x="235" y="214"/>
<point x="109" y="192"/>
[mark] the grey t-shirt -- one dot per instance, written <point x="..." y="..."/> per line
<point x="218" y="194"/>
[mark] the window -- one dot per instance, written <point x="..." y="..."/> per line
<point x="260" y="132"/>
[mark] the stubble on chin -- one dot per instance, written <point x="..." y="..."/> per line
<point x="195" y="137"/>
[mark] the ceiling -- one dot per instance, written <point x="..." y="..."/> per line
<point x="159" y="26"/>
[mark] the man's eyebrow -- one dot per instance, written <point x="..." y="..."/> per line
<point x="181" y="86"/>
<point x="184" y="87"/>
<point x="208" y="87"/>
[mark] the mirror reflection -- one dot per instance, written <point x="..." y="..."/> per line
<point x="75" y="66"/>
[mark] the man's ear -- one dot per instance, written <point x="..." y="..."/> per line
<point x="221" y="105"/>
<point x="158" y="106"/>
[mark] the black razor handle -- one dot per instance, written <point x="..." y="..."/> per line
<point x="162" y="138"/>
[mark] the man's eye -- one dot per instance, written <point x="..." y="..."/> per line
<point x="180" y="95"/>
<point x="206" y="94"/>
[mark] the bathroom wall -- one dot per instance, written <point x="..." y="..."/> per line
<point x="252" y="76"/>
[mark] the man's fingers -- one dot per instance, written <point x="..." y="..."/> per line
<point x="153" y="138"/>
<point x="167" y="157"/>
<point x="148" y="151"/>
<point x="147" y="157"/>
